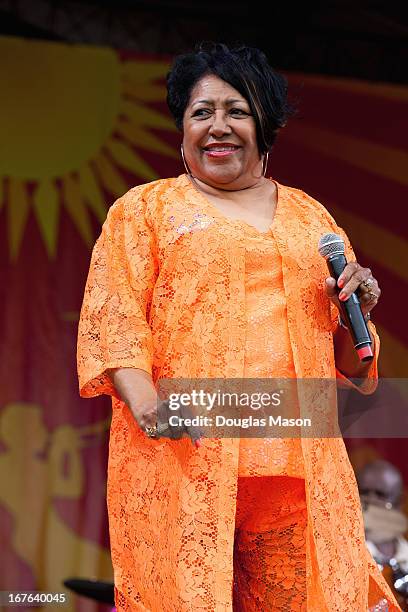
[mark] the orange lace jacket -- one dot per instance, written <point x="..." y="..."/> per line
<point x="165" y="293"/>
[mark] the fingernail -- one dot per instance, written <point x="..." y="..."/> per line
<point x="340" y="282"/>
<point x="342" y="296"/>
<point x="197" y="443"/>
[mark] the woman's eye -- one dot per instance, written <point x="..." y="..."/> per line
<point x="201" y="112"/>
<point x="238" y="111"/>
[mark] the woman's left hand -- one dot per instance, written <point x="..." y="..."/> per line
<point x="355" y="278"/>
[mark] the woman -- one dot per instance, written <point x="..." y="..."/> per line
<point x="215" y="274"/>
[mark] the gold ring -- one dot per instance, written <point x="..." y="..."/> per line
<point x="151" y="432"/>
<point x="373" y="295"/>
<point x="367" y="283"/>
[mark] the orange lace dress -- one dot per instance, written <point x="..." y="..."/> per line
<point x="271" y="518"/>
<point x="166" y="293"/>
<point x="268" y="353"/>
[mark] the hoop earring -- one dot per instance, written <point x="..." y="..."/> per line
<point x="184" y="161"/>
<point x="265" y="163"/>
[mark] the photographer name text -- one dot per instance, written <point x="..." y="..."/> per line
<point x="243" y="423"/>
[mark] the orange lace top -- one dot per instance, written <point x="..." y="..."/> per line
<point x="268" y="353"/>
<point x="166" y="293"/>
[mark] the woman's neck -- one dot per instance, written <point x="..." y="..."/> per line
<point x="258" y="189"/>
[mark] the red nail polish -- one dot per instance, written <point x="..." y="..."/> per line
<point x="342" y="296"/>
<point x="340" y="282"/>
<point x="197" y="443"/>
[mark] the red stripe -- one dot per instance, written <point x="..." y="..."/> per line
<point x="358" y="114"/>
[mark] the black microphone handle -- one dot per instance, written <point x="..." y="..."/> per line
<point x="351" y="308"/>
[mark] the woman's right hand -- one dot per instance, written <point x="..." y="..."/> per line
<point x="137" y="390"/>
<point x="144" y="409"/>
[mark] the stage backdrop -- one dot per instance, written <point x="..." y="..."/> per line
<point x="78" y="126"/>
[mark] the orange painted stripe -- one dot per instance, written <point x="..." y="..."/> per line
<point x="367" y="155"/>
<point x="327" y="178"/>
<point x="375" y="242"/>
<point x="393" y="355"/>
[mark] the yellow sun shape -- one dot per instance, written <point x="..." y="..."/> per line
<point x="71" y="118"/>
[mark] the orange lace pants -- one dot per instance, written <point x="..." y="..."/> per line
<point x="269" y="546"/>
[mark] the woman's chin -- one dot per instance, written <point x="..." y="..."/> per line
<point x="219" y="175"/>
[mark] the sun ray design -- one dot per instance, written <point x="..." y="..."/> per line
<point x="137" y="80"/>
<point x="144" y="72"/>
<point x="144" y="139"/>
<point x="146" y="93"/>
<point x="128" y="159"/>
<point x="92" y="192"/>
<point x="108" y="176"/>
<point x="88" y="136"/>
<point x="18" y="210"/>
<point x="139" y="114"/>
<point x="74" y="203"/>
<point x="46" y="209"/>
<point x="2" y="194"/>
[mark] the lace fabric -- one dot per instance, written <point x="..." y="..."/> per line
<point x="166" y="293"/>
<point x="270" y="545"/>
<point x="268" y="353"/>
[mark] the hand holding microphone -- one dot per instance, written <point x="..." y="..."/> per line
<point x="353" y="290"/>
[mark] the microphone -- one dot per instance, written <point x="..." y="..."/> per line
<point x="331" y="247"/>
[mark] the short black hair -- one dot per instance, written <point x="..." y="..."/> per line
<point x="244" y="68"/>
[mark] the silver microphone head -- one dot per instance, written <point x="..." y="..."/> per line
<point x="331" y="244"/>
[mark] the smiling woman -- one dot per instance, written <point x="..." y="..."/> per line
<point x="220" y="134"/>
<point x="215" y="274"/>
<point x="230" y="121"/>
<point x="221" y="145"/>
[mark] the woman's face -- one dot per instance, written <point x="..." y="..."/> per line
<point x="219" y="137"/>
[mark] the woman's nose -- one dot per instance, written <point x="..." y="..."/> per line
<point x="220" y="125"/>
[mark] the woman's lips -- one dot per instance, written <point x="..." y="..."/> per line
<point x="221" y="151"/>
